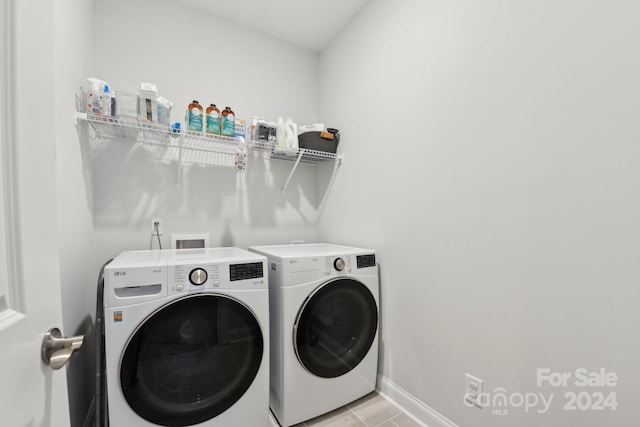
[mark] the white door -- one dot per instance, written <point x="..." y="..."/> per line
<point x="31" y="393"/>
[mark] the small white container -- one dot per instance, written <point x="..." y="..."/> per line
<point x="94" y="89"/>
<point x="164" y="110"/>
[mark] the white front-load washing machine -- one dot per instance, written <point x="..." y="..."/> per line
<point x="186" y="338"/>
<point x="324" y="327"/>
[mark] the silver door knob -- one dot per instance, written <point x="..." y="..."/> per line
<point x="56" y="350"/>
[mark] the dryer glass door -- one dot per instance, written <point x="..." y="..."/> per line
<point x="335" y="327"/>
<point x="191" y="360"/>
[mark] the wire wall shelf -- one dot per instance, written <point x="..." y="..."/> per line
<point x="190" y="147"/>
<point x="153" y="133"/>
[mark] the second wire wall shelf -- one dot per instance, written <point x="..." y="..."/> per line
<point x="185" y="146"/>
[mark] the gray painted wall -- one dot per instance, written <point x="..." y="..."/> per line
<point x="492" y="160"/>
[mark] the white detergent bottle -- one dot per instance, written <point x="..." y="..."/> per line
<point x="292" y="135"/>
<point x="281" y="136"/>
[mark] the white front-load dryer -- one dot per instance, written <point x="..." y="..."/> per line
<point x="324" y="327"/>
<point x="186" y="338"/>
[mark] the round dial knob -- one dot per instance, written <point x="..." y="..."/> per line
<point x="198" y="276"/>
<point x="339" y="264"/>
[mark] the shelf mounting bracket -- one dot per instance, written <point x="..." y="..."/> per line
<point x="180" y="148"/>
<point x="295" y="166"/>
<point x="336" y="166"/>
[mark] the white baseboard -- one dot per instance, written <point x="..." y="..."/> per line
<point x="420" y="412"/>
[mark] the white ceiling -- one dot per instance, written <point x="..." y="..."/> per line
<point x="311" y="24"/>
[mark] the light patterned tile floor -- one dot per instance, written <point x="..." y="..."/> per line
<point x="372" y="410"/>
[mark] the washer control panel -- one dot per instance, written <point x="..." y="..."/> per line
<point x="250" y="270"/>
<point x="211" y="276"/>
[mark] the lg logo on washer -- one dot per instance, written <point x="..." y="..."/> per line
<point x="119" y="273"/>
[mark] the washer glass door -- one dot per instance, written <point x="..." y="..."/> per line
<point x="335" y="327"/>
<point x="191" y="360"/>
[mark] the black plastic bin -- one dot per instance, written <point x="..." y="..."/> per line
<point x="314" y="141"/>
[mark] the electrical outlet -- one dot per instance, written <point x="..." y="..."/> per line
<point x="473" y="390"/>
<point x="160" y="229"/>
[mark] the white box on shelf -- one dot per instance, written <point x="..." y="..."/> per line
<point x="148" y="107"/>
<point x="127" y="106"/>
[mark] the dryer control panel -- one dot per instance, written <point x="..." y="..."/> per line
<point x="337" y="264"/>
<point x="364" y="261"/>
